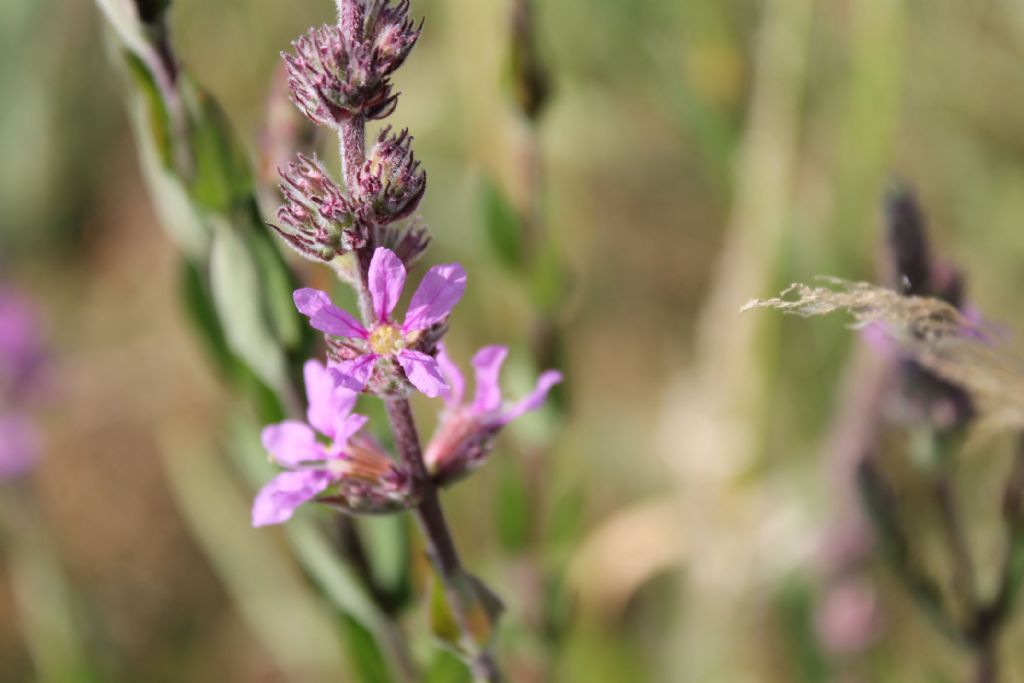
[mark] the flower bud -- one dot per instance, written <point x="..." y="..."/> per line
<point x="390" y="34"/>
<point x="390" y="183"/>
<point x="332" y="77"/>
<point x="408" y="241"/>
<point x="317" y="219"/>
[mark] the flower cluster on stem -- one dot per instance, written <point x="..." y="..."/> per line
<point x="339" y="77"/>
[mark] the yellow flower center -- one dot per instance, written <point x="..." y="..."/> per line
<point x="386" y="340"/>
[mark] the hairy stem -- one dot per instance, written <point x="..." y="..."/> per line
<point x="353" y="149"/>
<point x="430" y="516"/>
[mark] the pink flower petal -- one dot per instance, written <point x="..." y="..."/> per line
<point x="422" y="371"/>
<point x="440" y="290"/>
<point x="386" y="280"/>
<point x="291" y="443"/>
<point x="451" y="372"/>
<point x="277" y="501"/>
<point x="535" y="398"/>
<point x="354" y="374"/>
<point x="325" y="316"/>
<point x="346" y="428"/>
<point x="327" y="400"/>
<point x="487" y="362"/>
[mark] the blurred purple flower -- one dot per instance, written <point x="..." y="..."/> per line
<point x="19" y="446"/>
<point x="439" y="291"/>
<point x="466" y="433"/>
<point x="360" y="470"/>
<point x="21" y="345"/>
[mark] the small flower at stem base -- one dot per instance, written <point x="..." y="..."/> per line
<point x="466" y="433"/>
<point x="390" y="354"/>
<point x="355" y="468"/>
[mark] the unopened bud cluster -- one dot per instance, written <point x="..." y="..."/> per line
<point x="337" y="74"/>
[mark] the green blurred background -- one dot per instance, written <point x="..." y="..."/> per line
<point x="696" y="153"/>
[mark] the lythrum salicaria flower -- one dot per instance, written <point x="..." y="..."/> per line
<point x="364" y="477"/>
<point x="466" y="433"/>
<point x="317" y="219"/>
<point x="390" y="182"/>
<point x="364" y="353"/>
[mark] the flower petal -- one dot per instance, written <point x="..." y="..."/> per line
<point x="328" y="402"/>
<point x="346" y="428"/>
<point x="325" y="316"/>
<point x="291" y="443"/>
<point x="451" y="372"/>
<point x="534" y="399"/>
<point x="487" y="362"/>
<point x="386" y="280"/>
<point x="354" y="374"/>
<point x="422" y="371"/>
<point x="440" y="290"/>
<point x="277" y="501"/>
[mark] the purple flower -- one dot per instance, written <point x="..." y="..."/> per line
<point x="21" y="345"/>
<point x="19" y="446"/>
<point x="467" y="431"/>
<point x="365" y="476"/>
<point x="388" y="342"/>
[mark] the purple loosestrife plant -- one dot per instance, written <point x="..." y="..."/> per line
<point x="339" y="77"/>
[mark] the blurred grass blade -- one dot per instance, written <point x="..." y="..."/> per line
<point x="504" y="228"/>
<point x="45" y="602"/>
<point x="262" y="582"/>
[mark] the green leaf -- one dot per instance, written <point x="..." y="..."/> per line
<point x="150" y="117"/>
<point x="794" y="606"/>
<point x="221" y="179"/>
<point x="203" y="315"/>
<point x="447" y="668"/>
<point x="482" y="610"/>
<point x="513" y="512"/>
<point x="123" y="15"/>
<point x="278" y="286"/>
<point x="389" y="547"/>
<point x="503" y="225"/>
<point x="158" y="118"/>
<point x="237" y="294"/>
<point x="364" y="653"/>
